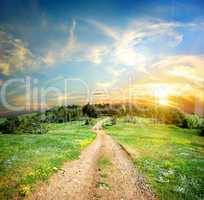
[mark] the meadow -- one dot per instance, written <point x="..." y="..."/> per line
<point x="170" y="158"/>
<point x="27" y="159"/>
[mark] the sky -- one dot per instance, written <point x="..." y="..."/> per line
<point x="65" y="52"/>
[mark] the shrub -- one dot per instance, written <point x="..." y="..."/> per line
<point x="178" y="118"/>
<point x="22" y="124"/>
<point x="170" y="115"/>
<point x="9" y="125"/>
<point x="193" y="122"/>
<point x="202" y="132"/>
<point x="110" y="122"/>
<point x="129" y="119"/>
<point x="32" y="127"/>
<point x="88" y="121"/>
<point x="202" y="128"/>
<point x="113" y="120"/>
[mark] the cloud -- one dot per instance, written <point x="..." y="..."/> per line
<point x="128" y="56"/>
<point x="106" y="84"/>
<point x="187" y="67"/>
<point x="70" y="45"/>
<point x="106" y="30"/>
<point x="95" y="54"/>
<point x="116" y="72"/>
<point x="115" y="57"/>
<point x="155" y="27"/>
<point x="74" y="50"/>
<point x="15" y="56"/>
<point x="187" y="73"/>
<point x="49" y="58"/>
<point x="123" y="50"/>
<point x="179" y="75"/>
<point x="126" y="48"/>
<point x="66" y="52"/>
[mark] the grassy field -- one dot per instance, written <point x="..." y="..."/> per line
<point x="170" y="158"/>
<point x="27" y="159"/>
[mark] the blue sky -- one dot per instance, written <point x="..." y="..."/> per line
<point x="103" y="43"/>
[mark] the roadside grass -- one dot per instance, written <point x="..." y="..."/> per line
<point x="104" y="163"/>
<point x="170" y="158"/>
<point x="28" y="159"/>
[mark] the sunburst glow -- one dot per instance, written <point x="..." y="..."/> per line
<point x="162" y="94"/>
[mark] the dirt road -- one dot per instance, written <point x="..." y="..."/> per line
<point x="104" y="171"/>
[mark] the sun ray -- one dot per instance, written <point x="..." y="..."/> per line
<point x="162" y="94"/>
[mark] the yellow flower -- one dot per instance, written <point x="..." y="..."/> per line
<point x="31" y="174"/>
<point x="24" y="190"/>
<point x="85" y="143"/>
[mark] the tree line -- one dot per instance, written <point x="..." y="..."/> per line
<point x="34" y="123"/>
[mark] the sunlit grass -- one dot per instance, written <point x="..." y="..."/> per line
<point x="171" y="158"/>
<point x="27" y="159"/>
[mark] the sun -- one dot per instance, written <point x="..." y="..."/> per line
<point x="163" y="101"/>
<point x="162" y="94"/>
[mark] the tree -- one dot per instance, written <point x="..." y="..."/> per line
<point x="89" y="110"/>
<point x="9" y="125"/>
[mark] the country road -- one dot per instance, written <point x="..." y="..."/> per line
<point x="103" y="171"/>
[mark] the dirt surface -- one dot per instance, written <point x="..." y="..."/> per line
<point x="104" y="171"/>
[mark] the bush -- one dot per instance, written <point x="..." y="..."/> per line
<point x="202" y="132"/>
<point x="22" y="125"/>
<point x="87" y="121"/>
<point x="202" y="128"/>
<point x="110" y="122"/>
<point x="193" y="122"/>
<point x="170" y="115"/>
<point x="129" y="119"/>
<point x="178" y="118"/>
<point x="113" y="120"/>
<point x="31" y="127"/>
<point x="9" y="125"/>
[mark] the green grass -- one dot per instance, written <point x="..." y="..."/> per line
<point x="104" y="165"/>
<point x="104" y="162"/>
<point x="170" y="158"/>
<point x="103" y="185"/>
<point x="28" y="159"/>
